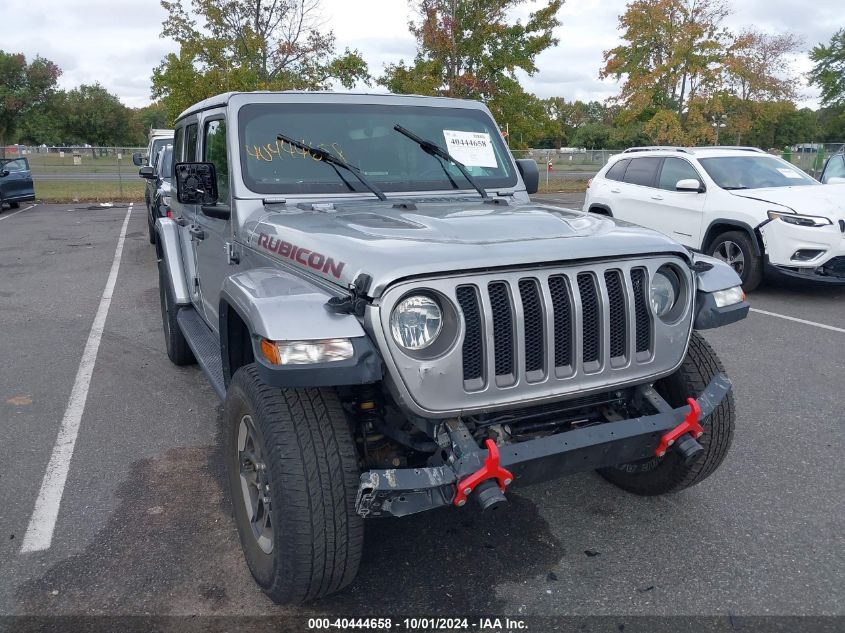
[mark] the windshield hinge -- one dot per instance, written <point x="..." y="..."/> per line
<point x="324" y="207"/>
<point x="356" y="301"/>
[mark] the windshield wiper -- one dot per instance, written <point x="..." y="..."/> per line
<point x="333" y="160"/>
<point x="734" y="188"/>
<point x="429" y="147"/>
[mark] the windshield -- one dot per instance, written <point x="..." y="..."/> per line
<point x="754" y="172"/>
<point x="363" y="135"/>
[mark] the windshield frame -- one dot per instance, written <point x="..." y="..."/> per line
<point x="247" y="112"/>
<point x="707" y="163"/>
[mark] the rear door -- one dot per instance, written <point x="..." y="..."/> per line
<point x="17" y="185"/>
<point x="636" y="191"/>
<point x="678" y="214"/>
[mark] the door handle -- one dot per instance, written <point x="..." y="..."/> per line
<point x="615" y="190"/>
<point x="657" y="197"/>
<point x="196" y="232"/>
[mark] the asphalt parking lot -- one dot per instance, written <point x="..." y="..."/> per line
<point x="144" y="524"/>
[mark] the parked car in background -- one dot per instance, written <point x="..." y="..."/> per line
<point x="15" y="182"/>
<point x="158" y="179"/>
<point x="748" y="208"/>
<point x="158" y="139"/>
<point x="834" y="169"/>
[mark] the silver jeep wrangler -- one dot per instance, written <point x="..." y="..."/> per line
<point x="394" y="326"/>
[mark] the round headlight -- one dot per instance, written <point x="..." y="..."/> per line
<point x="663" y="293"/>
<point x="416" y="322"/>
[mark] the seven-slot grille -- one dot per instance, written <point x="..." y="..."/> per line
<point x="613" y="324"/>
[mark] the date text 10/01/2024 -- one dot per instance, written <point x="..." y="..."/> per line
<point x="415" y="624"/>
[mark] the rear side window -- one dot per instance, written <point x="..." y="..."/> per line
<point x="673" y="170"/>
<point x="643" y="171"/>
<point x="617" y="171"/>
<point x="191" y="143"/>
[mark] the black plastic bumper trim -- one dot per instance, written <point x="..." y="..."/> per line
<point x="400" y="492"/>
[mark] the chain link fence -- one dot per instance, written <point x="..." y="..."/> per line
<point x="81" y="173"/>
<point x="567" y="168"/>
<point x="811" y="157"/>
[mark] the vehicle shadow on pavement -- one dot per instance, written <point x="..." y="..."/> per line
<point x="171" y="548"/>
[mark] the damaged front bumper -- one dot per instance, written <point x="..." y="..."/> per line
<point x="399" y="492"/>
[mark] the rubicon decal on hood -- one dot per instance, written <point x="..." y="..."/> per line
<point x="302" y="256"/>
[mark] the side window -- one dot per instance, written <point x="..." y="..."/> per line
<point x="675" y="169"/>
<point x="643" y="171"/>
<point x="835" y="168"/>
<point x="19" y="164"/>
<point x="214" y="151"/>
<point x="191" y="143"/>
<point x="617" y="171"/>
<point x="178" y="145"/>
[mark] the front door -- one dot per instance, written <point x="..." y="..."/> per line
<point x="678" y="214"/>
<point x="215" y="234"/>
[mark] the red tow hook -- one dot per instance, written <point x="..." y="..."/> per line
<point x="689" y="425"/>
<point x="491" y="470"/>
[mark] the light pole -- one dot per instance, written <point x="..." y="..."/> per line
<point x="717" y="123"/>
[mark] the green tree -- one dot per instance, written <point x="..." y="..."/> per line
<point x="23" y="87"/>
<point x="472" y="48"/>
<point x="248" y="45"/>
<point x="95" y="116"/>
<point x="828" y="71"/>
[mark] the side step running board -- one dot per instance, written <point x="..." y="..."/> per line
<point x="205" y="347"/>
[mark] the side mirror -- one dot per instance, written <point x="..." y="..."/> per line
<point x="835" y="180"/>
<point x="530" y="174"/>
<point x="689" y="184"/>
<point x="136" y="159"/>
<point x="147" y="172"/>
<point x="196" y="183"/>
<point x="4" y="173"/>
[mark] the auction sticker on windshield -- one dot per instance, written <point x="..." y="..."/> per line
<point x="473" y="149"/>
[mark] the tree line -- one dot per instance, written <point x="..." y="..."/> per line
<point x="684" y="77"/>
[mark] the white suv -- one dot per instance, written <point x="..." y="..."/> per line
<point x="739" y="204"/>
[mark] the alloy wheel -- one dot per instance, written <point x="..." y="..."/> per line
<point x="255" y="484"/>
<point x="731" y="253"/>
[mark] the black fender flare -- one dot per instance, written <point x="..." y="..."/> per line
<point x="716" y="228"/>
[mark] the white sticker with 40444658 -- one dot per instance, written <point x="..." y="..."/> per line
<point x="473" y="149"/>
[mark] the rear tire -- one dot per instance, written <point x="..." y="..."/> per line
<point x="178" y="350"/>
<point x="151" y="230"/>
<point x="735" y="248"/>
<point x="293" y="475"/>
<point x="667" y="474"/>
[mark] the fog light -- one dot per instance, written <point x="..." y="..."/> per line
<point x="729" y="297"/>
<point x="307" y="352"/>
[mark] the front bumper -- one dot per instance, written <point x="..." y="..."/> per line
<point x="400" y="492"/>
<point x="783" y="241"/>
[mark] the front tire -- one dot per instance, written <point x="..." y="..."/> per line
<point x="735" y="249"/>
<point x="293" y="476"/>
<point x="151" y="229"/>
<point x="178" y="350"/>
<point x="667" y="474"/>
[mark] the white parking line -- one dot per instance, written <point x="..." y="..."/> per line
<point x="804" y="321"/>
<point x="39" y="533"/>
<point x="6" y="217"/>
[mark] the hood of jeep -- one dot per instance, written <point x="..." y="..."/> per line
<point x="394" y="241"/>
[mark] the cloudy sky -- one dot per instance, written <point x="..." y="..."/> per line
<point x="116" y="42"/>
